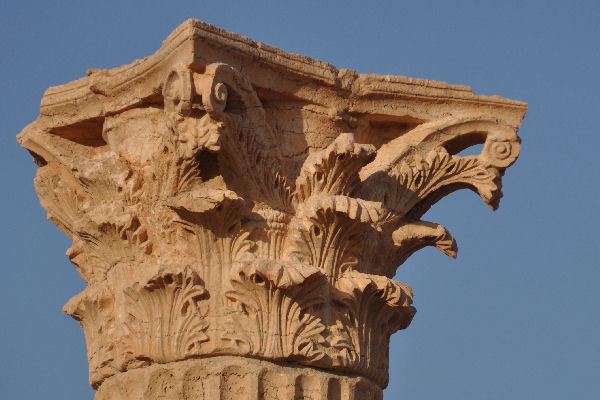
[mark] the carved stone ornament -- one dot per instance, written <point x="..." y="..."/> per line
<point x="239" y="213"/>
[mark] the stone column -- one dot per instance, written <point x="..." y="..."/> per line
<point x="239" y="213"/>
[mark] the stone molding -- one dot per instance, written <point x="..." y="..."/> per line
<point x="225" y="198"/>
<point x="232" y="378"/>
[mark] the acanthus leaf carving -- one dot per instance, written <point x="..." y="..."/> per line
<point x="94" y="308"/>
<point x="410" y="237"/>
<point x="281" y="304"/>
<point x="411" y="173"/>
<point x="414" y="182"/>
<point x="101" y="243"/>
<point x="213" y="216"/>
<point x="371" y="309"/>
<point x="165" y="319"/>
<point x="63" y="199"/>
<point x="329" y="229"/>
<point x="278" y="215"/>
<point x="328" y="224"/>
<point x="333" y="171"/>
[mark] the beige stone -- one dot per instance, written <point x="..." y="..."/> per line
<point x="239" y="212"/>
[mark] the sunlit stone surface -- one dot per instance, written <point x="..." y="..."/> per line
<point x="239" y="212"/>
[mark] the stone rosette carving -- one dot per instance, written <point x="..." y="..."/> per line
<point x="225" y="198"/>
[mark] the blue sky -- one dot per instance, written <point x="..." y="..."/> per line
<point x="514" y="317"/>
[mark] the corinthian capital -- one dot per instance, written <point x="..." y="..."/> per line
<point x="233" y="207"/>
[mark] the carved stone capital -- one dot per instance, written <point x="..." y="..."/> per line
<point x="233" y="206"/>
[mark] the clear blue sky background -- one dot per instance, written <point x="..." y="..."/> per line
<point x="515" y="317"/>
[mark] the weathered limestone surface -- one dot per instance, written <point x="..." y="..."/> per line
<point x="239" y="213"/>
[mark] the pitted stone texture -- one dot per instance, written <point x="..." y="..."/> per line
<point x="233" y="378"/>
<point x="226" y="198"/>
